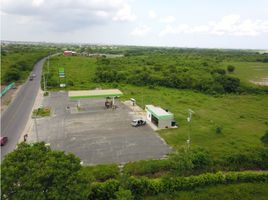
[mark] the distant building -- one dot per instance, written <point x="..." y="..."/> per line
<point x="160" y="117"/>
<point x="69" y="53"/>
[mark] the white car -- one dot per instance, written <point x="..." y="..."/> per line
<point x="138" y="122"/>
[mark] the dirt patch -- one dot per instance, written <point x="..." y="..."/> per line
<point x="263" y="82"/>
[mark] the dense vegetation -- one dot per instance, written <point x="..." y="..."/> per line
<point x="243" y="191"/>
<point x="17" y="60"/>
<point x="57" y="175"/>
<point x="176" y="68"/>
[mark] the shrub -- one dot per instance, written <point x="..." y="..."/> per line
<point x="147" y="167"/>
<point x="140" y="187"/>
<point x="123" y="194"/>
<point x="251" y="159"/>
<point x="218" y="130"/>
<point x="193" y="161"/>
<point x="229" y="84"/>
<point x="181" y="162"/>
<point x="219" y="71"/>
<point x="70" y="83"/>
<point x="264" y="138"/>
<point x="103" y="172"/>
<point x="201" y="160"/>
<point x="230" y="68"/>
<point x="104" y="191"/>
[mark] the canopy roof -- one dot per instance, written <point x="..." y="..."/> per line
<point x="94" y="93"/>
<point x="159" y="112"/>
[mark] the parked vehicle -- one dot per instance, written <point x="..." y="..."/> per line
<point x="3" y="140"/>
<point x="138" y="122"/>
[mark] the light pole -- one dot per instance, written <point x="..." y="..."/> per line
<point x="48" y="63"/>
<point x="44" y="77"/>
<point x="189" y="119"/>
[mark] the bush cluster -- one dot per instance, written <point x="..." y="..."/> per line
<point x="143" y="186"/>
<point x="180" y="163"/>
<point x="102" y="172"/>
<point x="196" y="161"/>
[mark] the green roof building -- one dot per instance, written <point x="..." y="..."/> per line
<point x="159" y="117"/>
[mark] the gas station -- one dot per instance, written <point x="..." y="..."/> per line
<point x="109" y="94"/>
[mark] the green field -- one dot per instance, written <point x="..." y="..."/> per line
<point x="249" y="71"/>
<point x="243" y="118"/>
<point x="244" y="191"/>
<point x="79" y="72"/>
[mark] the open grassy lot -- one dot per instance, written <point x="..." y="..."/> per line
<point x="79" y="72"/>
<point x="242" y="119"/>
<point x="245" y="191"/>
<point x="249" y="71"/>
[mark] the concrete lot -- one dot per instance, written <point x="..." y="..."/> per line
<point x="97" y="135"/>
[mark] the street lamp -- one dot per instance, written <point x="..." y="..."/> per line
<point x="189" y="119"/>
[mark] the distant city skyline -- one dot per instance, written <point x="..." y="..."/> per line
<point x="193" y="24"/>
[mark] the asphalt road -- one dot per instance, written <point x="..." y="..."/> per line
<point x="14" y="119"/>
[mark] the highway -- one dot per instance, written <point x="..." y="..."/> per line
<point x="14" y="119"/>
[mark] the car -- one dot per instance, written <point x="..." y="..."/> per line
<point x="138" y="122"/>
<point x="3" y="140"/>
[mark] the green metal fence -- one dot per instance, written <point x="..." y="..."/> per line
<point x="7" y="88"/>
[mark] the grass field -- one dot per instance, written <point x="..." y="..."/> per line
<point x="242" y="118"/>
<point x="79" y="71"/>
<point x="249" y="71"/>
<point x="244" y="191"/>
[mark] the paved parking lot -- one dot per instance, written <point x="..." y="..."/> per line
<point x="96" y="134"/>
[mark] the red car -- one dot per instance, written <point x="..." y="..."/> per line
<point x="3" y="141"/>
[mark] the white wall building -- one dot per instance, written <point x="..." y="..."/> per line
<point x="159" y="117"/>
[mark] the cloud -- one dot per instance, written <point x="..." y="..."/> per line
<point x="141" y="31"/>
<point x="125" y="14"/>
<point x="152" y="14"/>
<point x="68" y="14"/>
<point x="168" y="19"/>
<point x="228" y="25"/>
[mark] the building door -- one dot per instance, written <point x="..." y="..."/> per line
<point x="154" y="120"/>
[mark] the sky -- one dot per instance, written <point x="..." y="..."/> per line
<point x="239" y="24"/>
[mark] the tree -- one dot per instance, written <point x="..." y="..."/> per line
<point x="34" y="171"/>
<point x="229" y="84"/>
<point x="12" y="75"/>
<point x="264" y="138"/>
<point x="230" y="68"/>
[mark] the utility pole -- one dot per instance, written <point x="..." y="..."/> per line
<point x="48" y="63"/>
<point x="189" y="119"/>
<point x="44" y="77"/>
